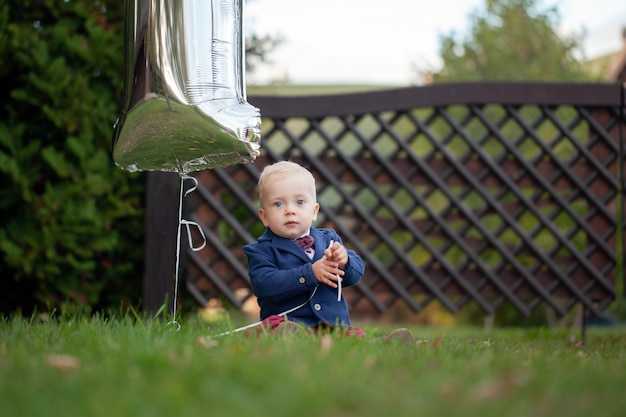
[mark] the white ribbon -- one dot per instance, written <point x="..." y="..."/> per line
<point x="338" y="277"/>
<point x="284" y="313"/>
<point x="187" y="224"/>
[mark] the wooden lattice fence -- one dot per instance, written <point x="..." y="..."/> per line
<point x="489" y="193"/>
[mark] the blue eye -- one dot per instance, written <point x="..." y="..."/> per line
<point x="278" y="204"/>
<point x="300" y="202"/>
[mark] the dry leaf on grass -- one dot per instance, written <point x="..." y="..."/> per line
<point x="438" y="341"/>
<point x="500" y="387"/>
<point x="369" y="361"/>
<point x="326" y="343"/>
<point x="207" y="342"/>
<point x="63" y="362"/>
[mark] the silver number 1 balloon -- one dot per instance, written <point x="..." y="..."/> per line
<point x="185" y="105"/>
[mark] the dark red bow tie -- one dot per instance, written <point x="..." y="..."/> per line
<point x="305" y="241"/>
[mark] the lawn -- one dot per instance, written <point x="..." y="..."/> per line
<point x="130" y="366"/>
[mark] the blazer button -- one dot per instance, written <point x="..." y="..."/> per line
<point x="317" y="307"/>
<point x="302" y="280"/>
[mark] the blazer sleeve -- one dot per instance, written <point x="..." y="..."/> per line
<point x="355" y="268"/>
<point x="278" y="276"/>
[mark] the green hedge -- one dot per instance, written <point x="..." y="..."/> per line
<point x="71" y="221"/>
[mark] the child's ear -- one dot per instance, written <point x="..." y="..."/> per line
<point x="262" y="217"/>
<point x="316" y="209"/>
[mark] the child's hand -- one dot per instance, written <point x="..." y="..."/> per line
<point x="338" y="254"/>
<point x="327" y="272"/>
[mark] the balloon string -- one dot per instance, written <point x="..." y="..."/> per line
<point x="339" y="279"/>
<point x="187" y="224"/>
<point x="283" y="314"/>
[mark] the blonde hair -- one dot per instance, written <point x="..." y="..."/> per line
<point x="280" y="170"/>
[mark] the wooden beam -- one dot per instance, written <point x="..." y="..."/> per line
<point x="161" y="229"/>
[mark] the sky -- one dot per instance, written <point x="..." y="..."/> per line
<point x="382" y="42"/>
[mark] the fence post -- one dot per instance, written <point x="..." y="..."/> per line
<point x="619" y="206"/>
<point x="160" y="231"/>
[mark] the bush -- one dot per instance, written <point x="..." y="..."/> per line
<point x="72" y="222"/>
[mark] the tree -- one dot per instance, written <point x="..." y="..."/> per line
<point x="71" y="227"/>
<point x="71" y="222"/>
<point x="258" y="49"/>
<point x="511" y="40"/>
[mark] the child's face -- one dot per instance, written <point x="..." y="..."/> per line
<point x="288" y="207"/>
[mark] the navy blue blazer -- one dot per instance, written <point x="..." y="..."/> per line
<point x="282" y="278"/>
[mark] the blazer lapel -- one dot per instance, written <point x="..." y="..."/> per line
<point x="320" y="244"/>
<point x="289" y="246"/>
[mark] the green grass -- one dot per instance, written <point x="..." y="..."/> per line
<point x="129" y="367"/>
